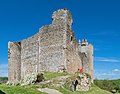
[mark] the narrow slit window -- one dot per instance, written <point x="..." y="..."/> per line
<point x="71" y="38"/>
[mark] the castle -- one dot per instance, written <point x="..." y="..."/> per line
<point x="54" y="48"/>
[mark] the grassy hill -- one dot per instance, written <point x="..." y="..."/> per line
<point x="33" y="90"/>
<point x="93" y="90"/>
<point x="19" y="89"/>
<point x="109" y="85"/>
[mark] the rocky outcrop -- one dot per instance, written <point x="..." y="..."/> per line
<point x="28" y="80"/>
<point x="84" y="82"/>
<point x="80" y="82"/>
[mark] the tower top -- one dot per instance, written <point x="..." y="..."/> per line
<point x="62" y="16"/>
<point x="84" y="42"/>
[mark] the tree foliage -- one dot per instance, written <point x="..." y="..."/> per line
<point x="3" y="79"/>
<point x="109" y="85"/>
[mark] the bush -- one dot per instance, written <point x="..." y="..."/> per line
<point x="40" y="77"/>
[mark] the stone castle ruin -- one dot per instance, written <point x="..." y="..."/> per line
<point x="54" y="48"/>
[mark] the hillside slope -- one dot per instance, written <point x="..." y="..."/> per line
<point x="33" y="90"/>
<point x="94" y="90"/>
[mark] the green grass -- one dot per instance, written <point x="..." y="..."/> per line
<point x="20" y="89"/>
<point x="93" y="90"/>
<point x="28" y="89"/>
<point x="33" y="90"/>
<point x="50" y="75"/>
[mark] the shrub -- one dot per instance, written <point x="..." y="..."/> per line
<point x="40" y="77"/>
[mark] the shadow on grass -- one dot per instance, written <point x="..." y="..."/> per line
<point x="1" y="92"/>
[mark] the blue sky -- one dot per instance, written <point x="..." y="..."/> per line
<point x="96" y="20"/>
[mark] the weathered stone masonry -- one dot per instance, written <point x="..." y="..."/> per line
<point x="54" y="48"/>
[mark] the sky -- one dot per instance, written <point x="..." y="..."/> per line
<point x="96" y="20"/>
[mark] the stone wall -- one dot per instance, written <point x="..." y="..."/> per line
<point x="29" y="55"/>
<point x="73" y="59"/>
<point x="51" y="49"/>
<point x="14" y="59"/>
<point x="45" y="50"/>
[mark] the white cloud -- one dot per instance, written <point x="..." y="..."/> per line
<point x="116" y="70"/>
<point x="3" y="66"/>
<point x="103" y="59"/>
<point x="113" y="74"/>
<point x="4" y="74"/>
<point x="3" y="70"/>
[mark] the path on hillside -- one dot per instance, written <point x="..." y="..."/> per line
<point x="49" y="91"/>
